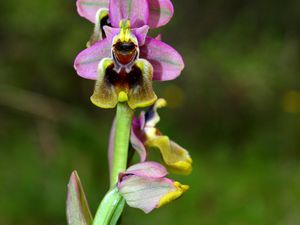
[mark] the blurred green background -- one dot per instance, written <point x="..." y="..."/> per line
<point x="236" y="108"/>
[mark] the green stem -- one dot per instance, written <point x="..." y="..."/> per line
<point x="110" y="209"/>
<point x="121" y="142"/>
<point x="112" y="205"/>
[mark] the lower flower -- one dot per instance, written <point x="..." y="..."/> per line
<point x="145" y="135"/>
<point x="145" y="186"/>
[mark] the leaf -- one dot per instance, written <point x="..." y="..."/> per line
<point x="110" y="208"/>
<point x="78" y="212"/>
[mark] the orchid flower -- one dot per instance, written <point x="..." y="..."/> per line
<point x="146" y="187"/>
<point x="145" y="135"/>
<point x="166" y="62"/>
<point x="124" y="77"/>
<point x="126" y="60"/>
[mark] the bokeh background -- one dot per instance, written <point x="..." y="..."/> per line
<point x="236" y="107"/>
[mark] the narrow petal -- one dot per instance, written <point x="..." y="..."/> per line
<point x="140" y="33"/>
<point x="143" y="186"/>
<point x="166" y="61"/>
<point x="111" y="32"/>
<point x="147" y="169"/>
<point x="161" y="11"/>
<point x="86" y="63"/>
<point x="137" y="11"/>
<point x="78" y="212"/>
<point x="175" y="157"/>
<point x="89" y="8"/>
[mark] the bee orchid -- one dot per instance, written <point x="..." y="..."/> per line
<point x="167" y="63"/>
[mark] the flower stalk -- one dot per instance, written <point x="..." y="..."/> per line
<point x="111" y="207"/>
<point x="122" y="134"/>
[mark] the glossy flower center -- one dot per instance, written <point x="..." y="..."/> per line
<point x="125" y="52"/>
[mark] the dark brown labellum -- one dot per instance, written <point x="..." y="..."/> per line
<point x="123" y="79"/>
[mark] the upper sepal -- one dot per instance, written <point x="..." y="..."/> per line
<point x="78" y="212"/>
<point x="161" y="12"/>
<point x="137" y="11"/>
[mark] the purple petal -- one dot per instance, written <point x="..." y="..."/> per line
<point x="145" y="193"/>
<point x="144" y="186"/>
<point x="111" y="32"/>
<point x="137" y="11"/>
<point x="166" y="61"/>
<point x="147" y="170"/>
<point x="78" y="212"/>
<point x="140" y="33"/>
<point x="161" y="11"/>
<point x="86" y="63"/>
<point x="89" y="8"/>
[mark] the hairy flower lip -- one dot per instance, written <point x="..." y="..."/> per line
<point x="133" y="83"/>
